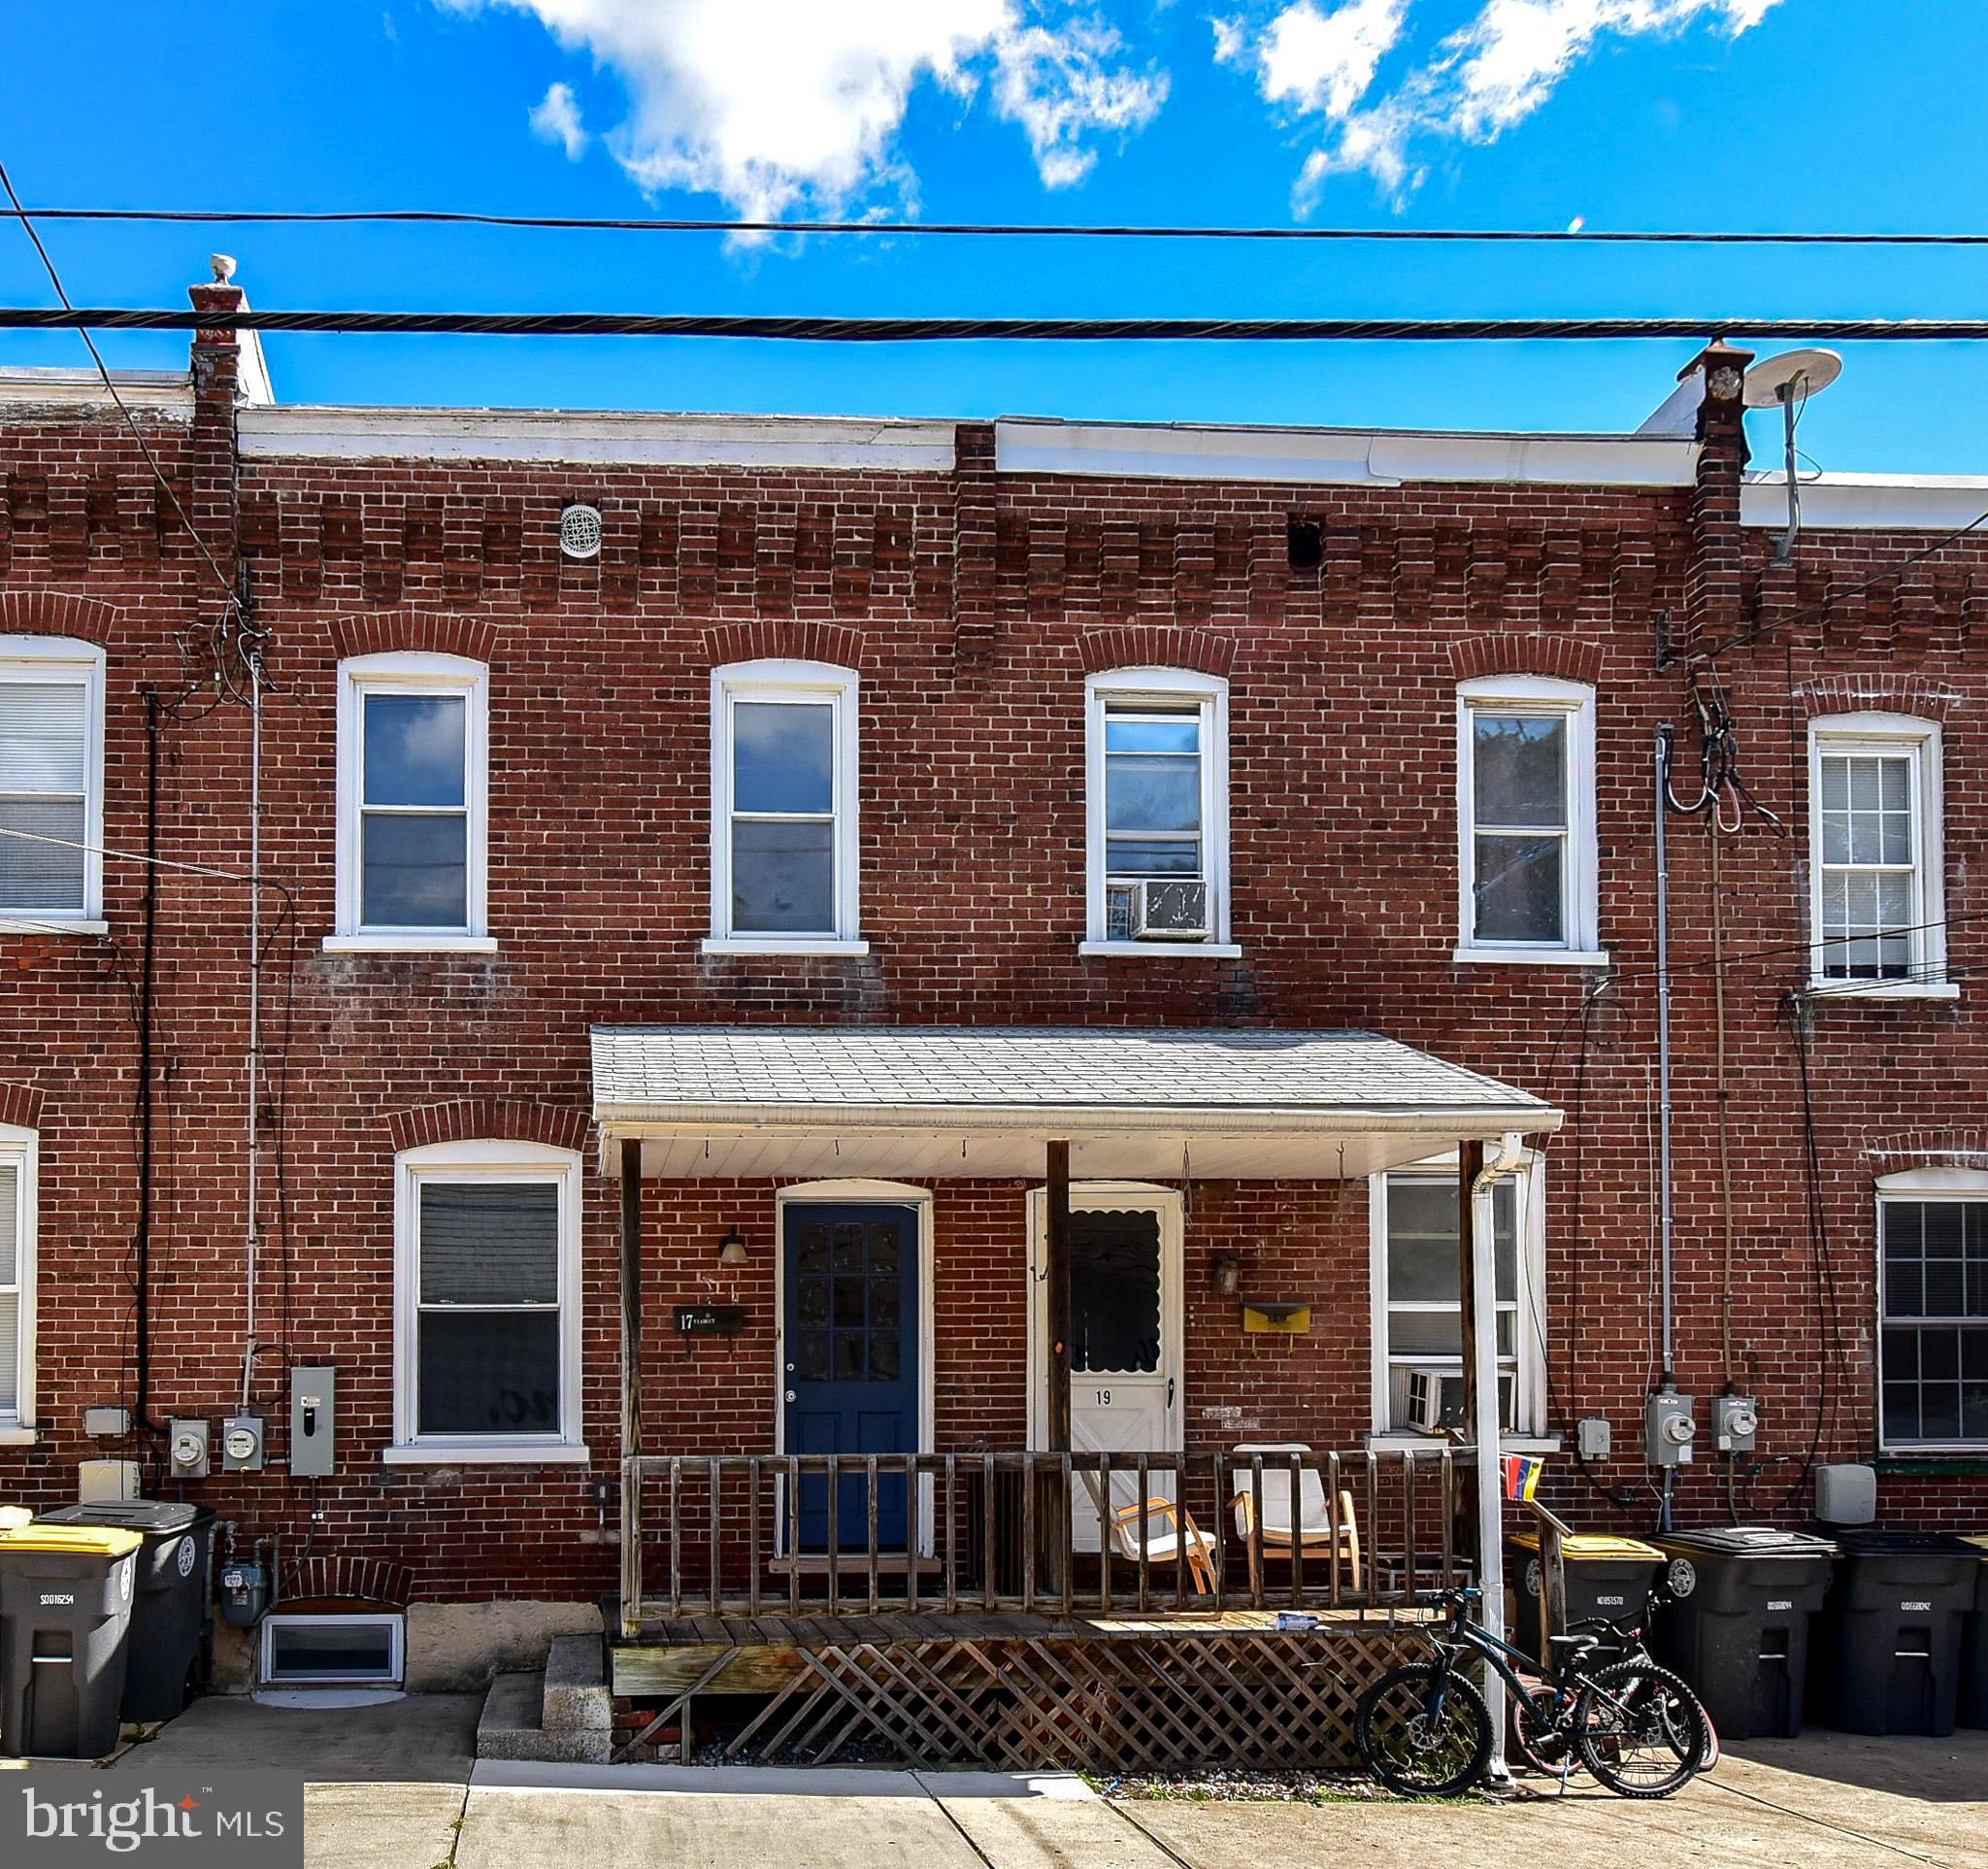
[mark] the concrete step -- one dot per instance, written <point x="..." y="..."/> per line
<point x="512" y="1726"/>
<point x="577" y="1696"/>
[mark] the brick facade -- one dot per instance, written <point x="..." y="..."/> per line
<point x="972" y="604"/>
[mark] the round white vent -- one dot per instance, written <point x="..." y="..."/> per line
<point x="580" y="531"/>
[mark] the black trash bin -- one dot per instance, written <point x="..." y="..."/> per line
<point x="170" y="1610"/>
<point x="65" y="1610"/>
<point x="1737" y="1626"/>
<point x="1973" y="1709"/>
<point x="1891" y="1633"/>
<point x="1608" y="1577"/>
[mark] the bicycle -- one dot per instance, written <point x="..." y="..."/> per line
<point x="1536" y="1734"/>
<point x="1423" y="1729"/>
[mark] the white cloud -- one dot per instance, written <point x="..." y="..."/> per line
<point x="555" y="118"/>
<point x="1478" y="82"/>
<point x="1059" y="89"/>
<point x="1325" y="61"/>
<point x="771" y="104"/>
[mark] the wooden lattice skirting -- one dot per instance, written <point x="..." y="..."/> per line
<point x="1126" y="1700"/>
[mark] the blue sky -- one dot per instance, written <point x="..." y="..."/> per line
<point x="1630" y="113"/>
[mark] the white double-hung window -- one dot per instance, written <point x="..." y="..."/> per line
<point x="411" y="783"/>
<point x="51" y="781"/>
<point x="1527" y="865"/>
<point x="18" y="1163"/>
<point x="783" y="809"/>
<point x="1875" y="889"/>
<point x="1157" y="799"/>
<point x="1417" y="1278"/>
<point x="487" y="1326"/>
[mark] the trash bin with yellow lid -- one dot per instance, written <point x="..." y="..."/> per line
<point x="1608" y="1580"/>
<point x="65" y="1612"/>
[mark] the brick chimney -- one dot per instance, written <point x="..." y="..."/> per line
<point x="1712" y="581"/>
<point x="217" y="380"/>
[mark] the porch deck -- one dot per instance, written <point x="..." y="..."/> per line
<point x="1015" y="1691"/>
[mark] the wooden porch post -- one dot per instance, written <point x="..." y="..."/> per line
<point x="1478" y="1266"/>
<point x="1056" y="1264"/>
<point x="1055" y="1501"/>
<point x="631" y="1389"/>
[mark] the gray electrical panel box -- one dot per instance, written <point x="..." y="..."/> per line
<point x="1667" y="1429"/>
<point x="312" y="1421"/>
<point x="1736" y="1423"/>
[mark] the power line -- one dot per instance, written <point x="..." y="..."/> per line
<point x="976" y="229"/>
<point x="817" y="329"/>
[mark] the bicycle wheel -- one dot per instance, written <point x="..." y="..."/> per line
<point x="1641" y="1730"/>
<point x="1418" y="1749"/>
<point x="1539" y="1736"/>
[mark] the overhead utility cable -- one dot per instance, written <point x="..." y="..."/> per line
<point x="816" y="329"/>
<point x="978" y="229"/>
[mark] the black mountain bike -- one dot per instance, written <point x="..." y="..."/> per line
<point x="1423" y="1730"/>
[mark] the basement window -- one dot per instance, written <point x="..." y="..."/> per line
<point x="332" y="1650"/>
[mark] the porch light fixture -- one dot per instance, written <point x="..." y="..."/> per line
<point x="1227" y="1269"/>
<point x="732" y="1249"/>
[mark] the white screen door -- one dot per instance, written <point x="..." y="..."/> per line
<point x="1125" y="1336"/>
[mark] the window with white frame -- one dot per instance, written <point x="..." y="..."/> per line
<point x="1158" y="792"/>
<point x="18" y="1163"/>
<point x="1417" y="1281"/>
<point x="1933" y="1309"/>
<point x="1526" y="820"/>
<point x="488" y="1316"/>
<point x="412" y="784"/>
<point x="51" y="779"/>
<point x="783" y="807"/>
<point x="1876" y="887"/>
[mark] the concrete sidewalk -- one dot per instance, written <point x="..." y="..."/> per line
<point x="396" y="1786"/>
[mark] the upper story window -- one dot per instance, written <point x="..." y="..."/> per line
<point x="412" y="765"/>
<point x="1158" y="792"/>
<point x="1876" y="887"/>
<point x="1526" y="820"/>
<point x="17" y="1160"/>
<point x="487" y="1320"/>
<point x="1932" y="1306"/>
<point x="783" y="809"/>
<point x="1417" y="1284"/>
<point x="51" y="781"/>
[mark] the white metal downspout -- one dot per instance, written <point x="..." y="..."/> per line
<point x="1490" y="1417"/>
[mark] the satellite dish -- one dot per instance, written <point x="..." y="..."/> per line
<point x="1785" y="382"/>
<point x="1792" y="376"/>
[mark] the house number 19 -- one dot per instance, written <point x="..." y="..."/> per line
<point x="1104" y="1397"/>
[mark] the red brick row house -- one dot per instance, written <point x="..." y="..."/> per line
<point x="822" y="819"/>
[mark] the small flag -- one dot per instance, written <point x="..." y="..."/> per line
<point x="1521" y="1475"/>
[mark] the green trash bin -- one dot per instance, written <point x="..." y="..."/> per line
<point x="65" y="1612"/>
<point x="1609" y="1579"/>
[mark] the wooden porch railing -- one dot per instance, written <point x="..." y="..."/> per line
<point x="998" y="1532"/>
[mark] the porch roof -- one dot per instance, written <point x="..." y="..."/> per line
<point x="939" y="1101"/>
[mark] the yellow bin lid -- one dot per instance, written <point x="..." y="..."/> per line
<point x="1979" y="1540"/>
<point x="1595" y="1546"/>
<point x="74" y="1540"/>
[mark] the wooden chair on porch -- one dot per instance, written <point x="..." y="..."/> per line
<point x="1173" y="1540"/>
<point x="1281" y="1533"/>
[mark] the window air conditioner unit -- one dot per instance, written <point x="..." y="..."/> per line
<point x="1158" y="908"/>
<point x="1435" y="1401"/>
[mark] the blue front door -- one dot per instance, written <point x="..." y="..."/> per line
<point x="851" y="1360"/>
